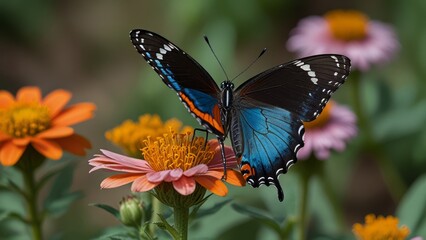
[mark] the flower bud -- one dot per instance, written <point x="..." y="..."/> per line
<point x="131" y="211"/>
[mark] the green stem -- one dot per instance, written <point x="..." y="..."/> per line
<point x="156" y="209"/>
<point x="334" y="201"/>
<point x="28" y="164"/>
<point x="393" y="180"/>
<point x="304" y="205"/>
<point x="181" y="215"/>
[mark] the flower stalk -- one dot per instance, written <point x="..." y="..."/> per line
<point x="390" y="175"/>
<point x="181" y="217"/>
<point x="29" y="162"/>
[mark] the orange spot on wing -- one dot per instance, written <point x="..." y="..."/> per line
<point x="247" y="171"/>
<point x="214" y="120"/>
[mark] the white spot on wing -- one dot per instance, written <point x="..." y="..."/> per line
<point x="167" y="48"/>
<point x="306" y="67"/>
<point x="162" y="51"/>
<point x="159" y="56"/>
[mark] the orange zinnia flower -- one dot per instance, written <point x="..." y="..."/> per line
<point x="174" y="159"/>
<point x="42" y="123"/>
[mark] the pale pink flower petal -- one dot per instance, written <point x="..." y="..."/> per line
<point x="174" y="175"/>
<point x="199" y="169"/>
<point x="128" y="161"/>
<point x="143" y="185"/>
<point x="185" y="185"/>
<point x="313" y="36"/>
<point x="103" y="162"/>
<point x="158" y="176"/>
<point x="334" y="135"/>
<point x="216" y="163"/>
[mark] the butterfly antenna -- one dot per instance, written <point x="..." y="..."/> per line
<point x="251" y="64"/>
<point x="217" y="59"/>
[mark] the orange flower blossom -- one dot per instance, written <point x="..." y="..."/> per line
<point x="42" y="123"/>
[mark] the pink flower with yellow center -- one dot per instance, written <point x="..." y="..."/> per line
<point x="351" y="33"/>
<point x="174" y="159"/>
<point x="330" y="131"/>
<point x="42" y="123"/>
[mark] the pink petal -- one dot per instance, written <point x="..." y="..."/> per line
<point x="143" y="185"/>
<point x="184" y="185"/>
<point x="216" y="162"/>
<point x="201" y="168"/>
<point x="158" y="176"/>
<point x="174" y="175"/>
<point x="125" y="160"/>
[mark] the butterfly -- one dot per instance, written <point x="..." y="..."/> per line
<point x="263" y="116"/>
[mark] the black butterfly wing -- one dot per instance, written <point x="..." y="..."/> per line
<point x="266" y="128"/>
<point x="194" y="86"/>
<point x="302" y="86"/>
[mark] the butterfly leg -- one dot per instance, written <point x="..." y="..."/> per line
<point x="222" y="150"/>
<point x="201" y="130"/>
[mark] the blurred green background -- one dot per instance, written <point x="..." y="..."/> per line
<point x="84" y="47"/>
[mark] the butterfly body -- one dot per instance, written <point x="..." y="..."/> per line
<point x="263" y="116"/>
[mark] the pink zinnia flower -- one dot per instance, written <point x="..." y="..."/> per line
<point x="330" y="131"/>
<point x="172" y="159"/>
<point x="350" y="33"/>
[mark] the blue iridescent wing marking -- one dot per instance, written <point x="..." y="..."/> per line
<point x="194" y="86"/>
<point x="266" y="127"/>
<point x="270" y="138"/>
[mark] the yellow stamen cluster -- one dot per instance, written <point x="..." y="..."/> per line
<point x="380" y="228"/>
<point x="24" y="119"/>
<point x="322" y="119"/>
<point x="130" y="135"/>
<point x="176" y="151"/>
<point x="347" y="25"/>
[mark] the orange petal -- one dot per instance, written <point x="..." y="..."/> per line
<point x="235" y="178"/>
<point x="56" y="132"/>
<point x="48" y="148"/>
<point x="74" y="114"/>
<point x="119" y="180"/>
<point x="74" y="144"/>
<point x="21" y="141"/>
<point x="56" y="101"/>
<point x="4" y="136"/>
<point x="10" y="153"/>
<point x="212" y="184"/>
<point x="6" y="99"/>
<point x="29" y="95"/>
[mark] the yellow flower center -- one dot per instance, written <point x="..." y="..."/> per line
<point x="130" y="135"/>
<point x="322" y="119"/>
<point x="24" y="119"/>
<point x="347" y="25"/>
<point x="176" y="151"/>
<point x="380" y="228"/>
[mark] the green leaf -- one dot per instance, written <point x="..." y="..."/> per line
<point x="60" y="197"/>
<point x="15" y="188"/>
<point x="46" y="177"/>
<point x="166" y="226"/>
<point x="199" y="213"/>
<point x="3" y="215"/>
<point x="412" y="209"/>
<point x="115" y="212"/>
<point x="400" y="122"/>
<point x="255" y="213"/>
<point x="60" y="205"/>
